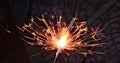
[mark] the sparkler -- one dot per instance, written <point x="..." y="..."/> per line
<point x="63" y="37"/>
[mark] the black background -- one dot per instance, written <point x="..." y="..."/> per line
<point x="98" y="13"/>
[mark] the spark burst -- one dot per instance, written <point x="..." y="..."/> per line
<point x="63" y="37"/>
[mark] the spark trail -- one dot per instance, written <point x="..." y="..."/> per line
<point x="75" y="37"/>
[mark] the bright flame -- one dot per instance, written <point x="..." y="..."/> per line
<point x="62" y="42"/>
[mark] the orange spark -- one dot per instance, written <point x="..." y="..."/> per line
<point x="61" y="36"/>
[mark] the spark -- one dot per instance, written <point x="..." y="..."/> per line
<point x="62" y="37"/>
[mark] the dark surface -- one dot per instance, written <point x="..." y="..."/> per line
<point x="98" y="13"/>
<point x="12" y="50"/>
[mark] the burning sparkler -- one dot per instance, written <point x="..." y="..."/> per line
<point x="63" y="37"/>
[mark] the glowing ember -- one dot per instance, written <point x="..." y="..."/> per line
<point x="62" y="42"/>
<point x="74" y="37"/>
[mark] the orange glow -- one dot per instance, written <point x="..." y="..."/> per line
<point x="62" y="42"/>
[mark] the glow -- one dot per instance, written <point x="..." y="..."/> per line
<point x="62" y="42"/>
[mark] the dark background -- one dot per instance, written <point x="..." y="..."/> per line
<point x="99" y="13"/>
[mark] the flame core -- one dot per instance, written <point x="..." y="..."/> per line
<point x="63" y="40"/>
<point x="62" y="36"/>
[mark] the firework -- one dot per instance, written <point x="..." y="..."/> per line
<point x="74" y="37"/>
